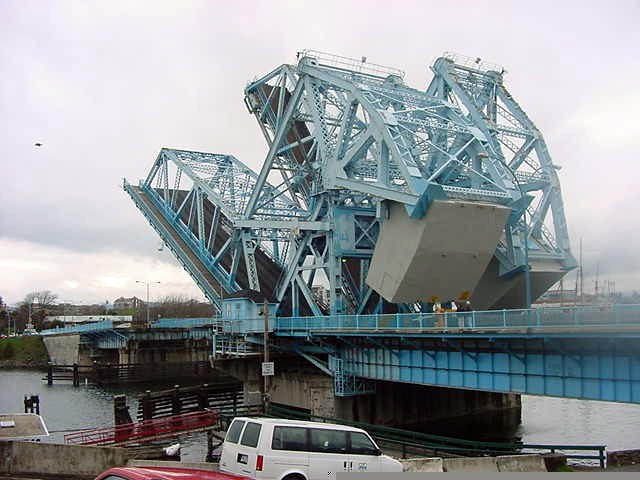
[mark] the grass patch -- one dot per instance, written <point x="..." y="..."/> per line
<point x="23" y="351"/>
<point x="564" y="468"/>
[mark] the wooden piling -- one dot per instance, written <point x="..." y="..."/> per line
<point x="121" y="413"/>
<point x="76" y="375"/>
<point x="32" y="404"/>
<point x="147" y="407"/>
<point x="175" y="400"/>
<point x="50" y="373"/>
<point x="209" y="457"/>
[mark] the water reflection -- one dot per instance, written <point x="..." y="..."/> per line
<point x="544" y="420"/>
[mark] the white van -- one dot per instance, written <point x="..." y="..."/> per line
<point x="276" y="449"/>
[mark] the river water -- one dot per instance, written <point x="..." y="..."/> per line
<point x="544" y="419"/>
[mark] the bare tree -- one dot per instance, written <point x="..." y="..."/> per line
<point x="39" y="304"/>
<point x="181" y="306"/>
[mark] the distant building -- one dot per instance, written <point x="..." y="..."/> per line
<point x="132" y="302"/>
<point x="80" y="319"/>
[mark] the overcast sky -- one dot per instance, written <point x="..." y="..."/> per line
<point x="105" y="85"/>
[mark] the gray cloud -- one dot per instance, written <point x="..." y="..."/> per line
<point x="105" y="85"/>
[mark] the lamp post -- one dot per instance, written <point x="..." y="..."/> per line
<point x="147" y="284"/>
<point x="64" y="310"/>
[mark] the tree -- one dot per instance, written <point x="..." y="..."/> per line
<point x="39" y="304"/>
<point x="180" y="306"/>
<point x="4" y="317"/>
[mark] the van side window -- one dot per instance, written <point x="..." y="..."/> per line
<point x="333" y="441"/>
<point x="289" y="438"/>
<point x="234" y="431"/>
<point x="251" y="435"/>
<point x="362" y="445"/>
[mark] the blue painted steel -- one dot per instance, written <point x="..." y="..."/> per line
<point x="90" y="327"/>
<point x="346" y="384"/>
<point x="105" y="339"/>
<point x="184" y="322"/>
<point x="594" y="370"/>
<point x="344" y="137"/>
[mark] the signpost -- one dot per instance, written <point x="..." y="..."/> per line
<point x="267" y="366"/>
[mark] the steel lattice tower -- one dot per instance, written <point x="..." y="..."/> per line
<point x="389" y="195"/>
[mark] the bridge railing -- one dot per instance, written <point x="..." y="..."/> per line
<point x="537" y="318"/>
<point x="89" y="327"/>
<point x="184" y="322"/>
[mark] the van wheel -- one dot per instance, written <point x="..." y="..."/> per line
<point x="294" y="476"/>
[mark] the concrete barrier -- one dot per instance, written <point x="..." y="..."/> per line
<point x="470" y="464"/>
<point x="69" y="461"/>
<point x="623" y="457"/>
<point x="521" y="463"/>
<point x="422" y="465"/>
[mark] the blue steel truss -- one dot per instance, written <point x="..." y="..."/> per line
<point x="345" y="139"/>
<point x="513" y="140"/>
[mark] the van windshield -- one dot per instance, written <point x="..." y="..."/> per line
<point x="234" y="431"/>
<point x="362" y="445"/>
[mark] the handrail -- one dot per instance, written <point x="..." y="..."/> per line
<point x="185" y="322"/>
<point x="89" y="327"/>
<point x="443" y="443"/>
<point x="542" y="319"/>
<point x="145" y="431"/>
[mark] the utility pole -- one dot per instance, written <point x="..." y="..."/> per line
<point x="265" y="313"/>
<point x="581" y="276"/>
<point x="147" y="284"/>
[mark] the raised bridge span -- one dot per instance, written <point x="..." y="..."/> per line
<point x="393" y="198"/>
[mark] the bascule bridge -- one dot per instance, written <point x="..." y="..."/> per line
<point x="393" y="198"/>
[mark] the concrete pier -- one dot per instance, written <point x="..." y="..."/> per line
<point x="399" y="404"/>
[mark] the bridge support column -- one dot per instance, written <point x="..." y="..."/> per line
<point x="393" y="403"/>
<point x="247" y="371"/>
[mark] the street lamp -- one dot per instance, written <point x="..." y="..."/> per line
<point x="147" y="284"/>
<point x="64" y="304"/>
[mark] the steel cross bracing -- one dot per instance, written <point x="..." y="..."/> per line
<point x="345" y="137"/>
<point x="513" y="139"/>
<point x="196" y="201"/>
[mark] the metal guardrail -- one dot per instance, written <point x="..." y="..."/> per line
<point x="406" y="439"/>
<point x="184" y="322"/>
<point x="146" y="431"/>
<point x="536" y="318"/>
<point x="89" y="327"/>
<point x="601" y="316"/>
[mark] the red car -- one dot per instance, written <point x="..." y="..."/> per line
<point x="164" y="473"/>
